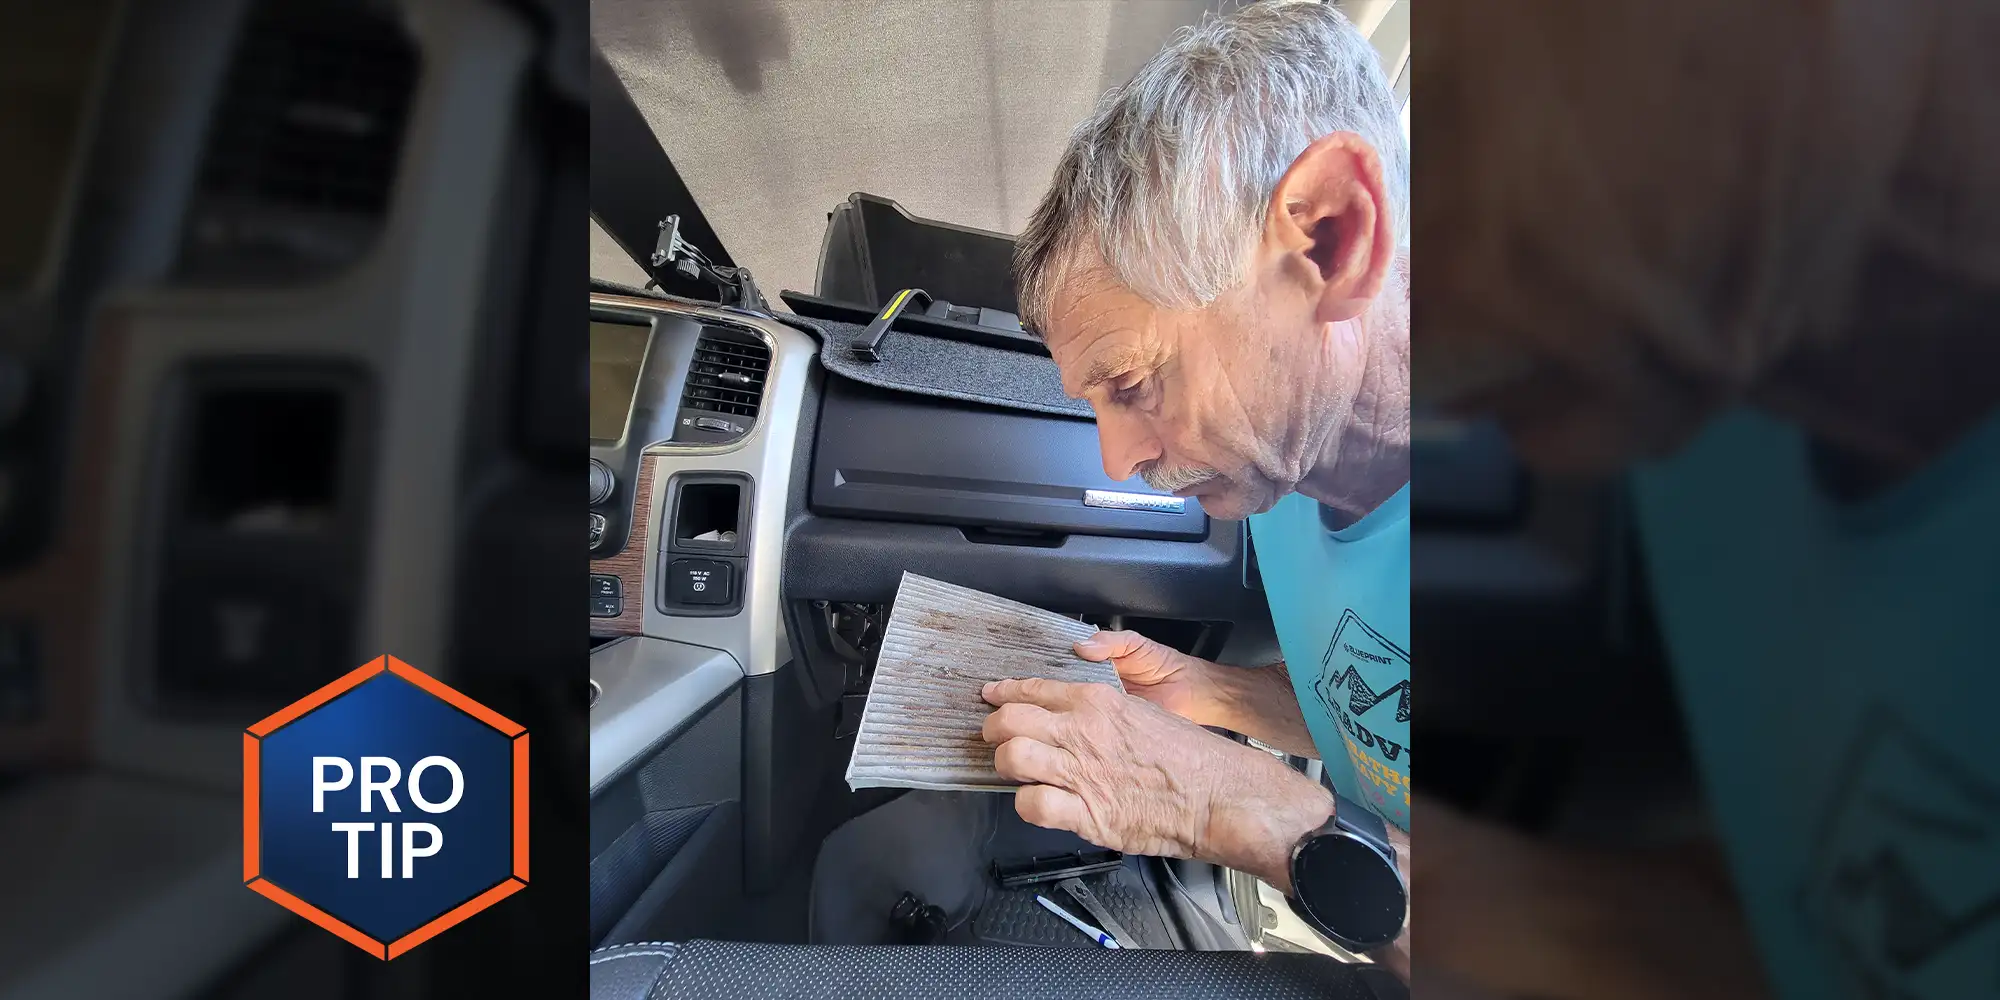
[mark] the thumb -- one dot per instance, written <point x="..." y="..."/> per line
<point x="1110" y="645"/>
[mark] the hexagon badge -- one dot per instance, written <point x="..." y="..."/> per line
<point x="385" y="807"/>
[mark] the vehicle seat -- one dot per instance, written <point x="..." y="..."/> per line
<point x="733" y="970"/>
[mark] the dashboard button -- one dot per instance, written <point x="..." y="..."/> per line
<point x="604" y="585"/>
<point x="699" y="581"/>
<point x="236" y="633"/>
<point x="606" y="607"/>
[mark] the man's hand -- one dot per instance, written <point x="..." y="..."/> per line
<point x="1255" y="701"/>
<point x="1158" y="673"/>
<point x="1125" y="774"/>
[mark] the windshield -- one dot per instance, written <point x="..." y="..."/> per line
<point x="774" y="111"/>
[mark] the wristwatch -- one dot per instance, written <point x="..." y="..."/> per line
<point x="1345" y="883"/>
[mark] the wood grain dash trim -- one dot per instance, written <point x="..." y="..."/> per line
<point x="629" y="564"/>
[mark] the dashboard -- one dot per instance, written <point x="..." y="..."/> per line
<point x="695" y="416"/>
<point x="724" y="457"/>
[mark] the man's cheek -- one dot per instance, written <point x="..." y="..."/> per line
<point x="1189" y="445"/>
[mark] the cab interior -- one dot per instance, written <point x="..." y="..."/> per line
<point x="180" y="282"/>
<point x="723" y="721"/>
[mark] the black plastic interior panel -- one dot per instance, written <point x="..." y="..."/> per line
<point x="873" y="249"/>
<point x="260" y="516"/>
<point x="883" y="454"/>
<point x="646" y="819"/>
<point x="704" y="549"/>
<point x="700" y="887"/>
<point x="849" y="560"/>
<point x="789" y="759"/>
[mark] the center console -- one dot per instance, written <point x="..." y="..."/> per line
<point x="694" y="423"/>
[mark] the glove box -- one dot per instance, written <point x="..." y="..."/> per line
<point x="1003" y="475"/>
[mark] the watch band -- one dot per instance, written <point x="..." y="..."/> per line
<point x="1362" y="822"/>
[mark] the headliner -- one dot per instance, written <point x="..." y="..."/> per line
<point x="774" y="111"/>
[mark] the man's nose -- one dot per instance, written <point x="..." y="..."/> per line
<point x="1126" y="443"/>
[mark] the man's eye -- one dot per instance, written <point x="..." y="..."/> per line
<point x="1132" y="391"/>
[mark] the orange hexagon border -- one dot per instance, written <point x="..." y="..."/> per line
<point x="252" y="793"/>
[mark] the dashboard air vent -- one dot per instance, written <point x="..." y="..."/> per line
<point x="727" y="375"/>
<point x="301" y="154"/>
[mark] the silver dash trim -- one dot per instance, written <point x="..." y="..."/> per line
<point x="1135" y="501"/>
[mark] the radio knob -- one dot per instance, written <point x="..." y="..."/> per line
<point x="601" y="482"/>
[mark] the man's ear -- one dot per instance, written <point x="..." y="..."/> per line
<point x="1332" y="211"/>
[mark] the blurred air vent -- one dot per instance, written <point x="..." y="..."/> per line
<point x="301" y="154"/>
<point x="727" y="375"/>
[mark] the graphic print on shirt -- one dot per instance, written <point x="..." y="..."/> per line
<point x="1364" y="682"/>
<point x="1897" y="890"/>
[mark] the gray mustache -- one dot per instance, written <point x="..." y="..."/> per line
<point x="1174" y="480"/>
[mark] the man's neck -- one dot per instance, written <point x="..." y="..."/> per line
<point x="1366" y="459"/>
<point x="1888" y="401"/>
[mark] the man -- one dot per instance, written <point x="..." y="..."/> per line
<point x="1216" y="269"/>
<point x="1772" y="297"/>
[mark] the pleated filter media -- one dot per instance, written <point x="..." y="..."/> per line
<point x="920" y="727"/>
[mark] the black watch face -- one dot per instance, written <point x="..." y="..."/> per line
<point x="1351" y="890"/>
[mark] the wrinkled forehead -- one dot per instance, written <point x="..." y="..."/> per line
<point x="1096" y="329"/>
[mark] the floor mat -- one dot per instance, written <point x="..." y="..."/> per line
<point x="1011" y="916"/>
<point x="941" y="846"/>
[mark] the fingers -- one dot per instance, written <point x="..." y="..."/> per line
<point x="1050" y="807"/>
<point x="1041" y="691"/>
<point x="1020" y="719"/>
<point x="1110" y="646"/>
<point x="1034" y="762"/>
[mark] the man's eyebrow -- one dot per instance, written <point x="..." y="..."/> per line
<point x="1108" y="367"/>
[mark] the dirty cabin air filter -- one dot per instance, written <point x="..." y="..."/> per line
<point x="920" y="728"/>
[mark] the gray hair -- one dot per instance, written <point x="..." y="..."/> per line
<point x="1172" y="173"/>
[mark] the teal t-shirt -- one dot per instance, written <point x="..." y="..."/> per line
<point x="1341" y="602"/>
<point x="1836" y="665"/>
